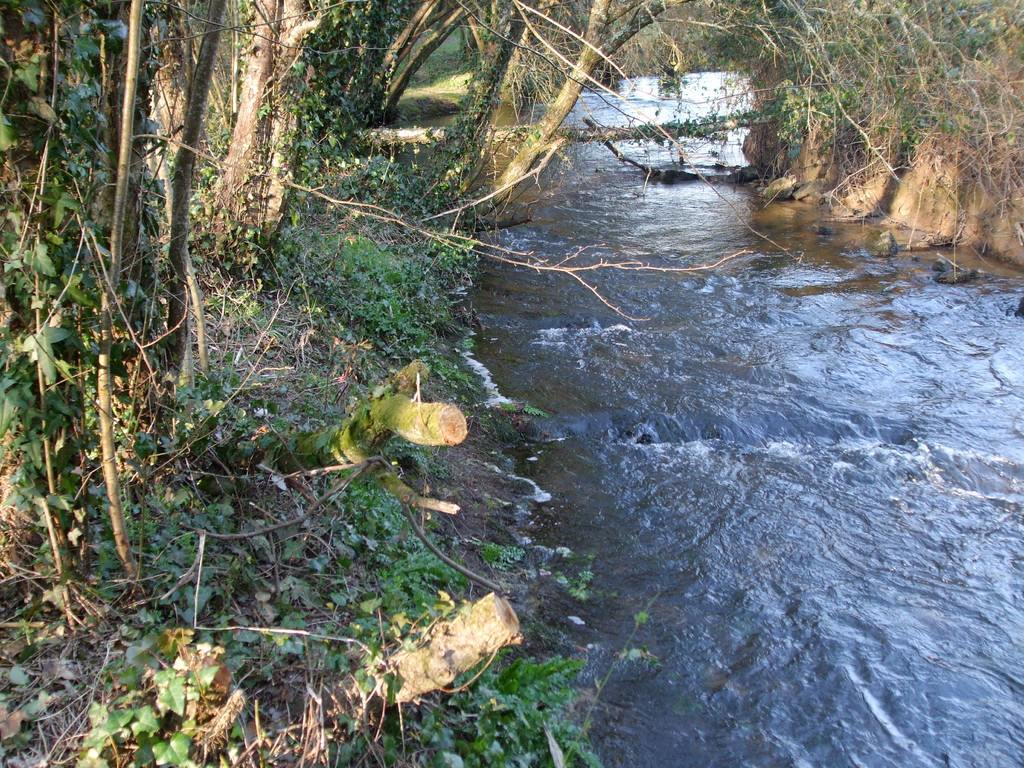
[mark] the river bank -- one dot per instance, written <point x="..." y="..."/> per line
<point x="298" y="620"/>
<point x="935" y="201"/>
<point x="270" y="605"/>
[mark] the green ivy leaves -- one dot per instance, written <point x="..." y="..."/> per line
<point x="39" y="347"/>
<point x="170" y="692"/>
<point x="173" y="752"/>
<point x="8" y="136"/>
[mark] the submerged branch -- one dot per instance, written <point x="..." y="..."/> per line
<point x="670" y="176"/>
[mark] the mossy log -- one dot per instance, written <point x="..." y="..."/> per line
<point x="455" y="647"/>
<point x="397" y="410"/>
<point x="418" y="422"/>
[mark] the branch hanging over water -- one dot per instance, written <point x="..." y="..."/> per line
<point x="488" y="250"/>
<point x="568" y="266"/>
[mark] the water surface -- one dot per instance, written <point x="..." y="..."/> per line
<point x="807" y="465"/>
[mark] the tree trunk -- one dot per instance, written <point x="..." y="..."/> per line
<point x="458" y="162"/>
<point x="601" y="40"/>
<point x="251" y="191"/>
<point x="414" y="59"/>
<point x="170" y="83"/>
<point x="638" y="132"/>
<point x="544" y="130"/>
<point x="104" y="376"/>
<point x="181" y="195"/>
<point x="476" y="35"/>
<point x="406" y="40"/>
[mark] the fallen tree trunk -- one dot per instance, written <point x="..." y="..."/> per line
<point x="400" y="136"/>
<point x="454" y="647"/>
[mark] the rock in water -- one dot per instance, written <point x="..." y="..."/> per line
<point x="957" y="275"/>
<point x="780" y="189"/>
<point x="881" y="244"/>
<point x="812" y="191"/>
<point x="1020" y="309"/>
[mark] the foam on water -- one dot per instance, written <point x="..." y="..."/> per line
<point x="494" y="396"/>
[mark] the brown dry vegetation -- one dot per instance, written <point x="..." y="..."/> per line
<point x="912" y="111"/>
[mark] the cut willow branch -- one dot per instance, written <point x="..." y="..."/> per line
<point x="399" y="411"/>
<point x="455" y="646"/>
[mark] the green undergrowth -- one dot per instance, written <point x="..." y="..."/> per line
<point x="252" y="643"/>
<point x="298" y="621"/>
<point x="450" y="62"/>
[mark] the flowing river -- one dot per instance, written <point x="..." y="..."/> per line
<point x="806" y="465"/>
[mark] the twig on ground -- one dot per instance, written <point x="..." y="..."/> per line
<point x="335" y="489"/>
<point x="471" y="575"/>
